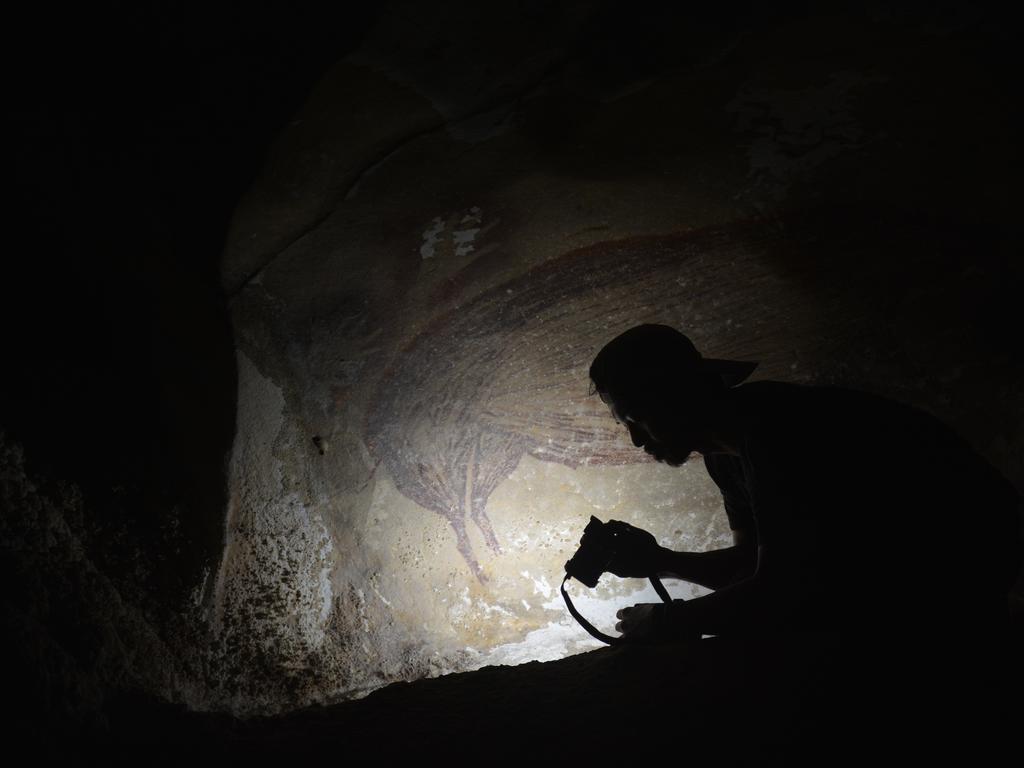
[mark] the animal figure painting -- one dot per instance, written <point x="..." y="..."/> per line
<point x="505" y="375"/>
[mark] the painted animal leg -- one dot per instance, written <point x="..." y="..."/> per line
<point x="479" y="516"/>
<point x="466" y="549"/>
<point x="476" y="504"/>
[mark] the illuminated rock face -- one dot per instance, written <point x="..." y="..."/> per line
<point x="505" y="375"/>
<point x="418" y="286"/>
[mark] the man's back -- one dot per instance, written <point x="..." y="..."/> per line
<point x="857" y="497"/>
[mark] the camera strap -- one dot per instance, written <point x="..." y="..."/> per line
<point x="594" y="631"/>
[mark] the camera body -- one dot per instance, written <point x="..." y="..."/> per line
<point x="597" y="548"/>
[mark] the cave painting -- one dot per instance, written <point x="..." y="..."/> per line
<point x="506" y="374"/>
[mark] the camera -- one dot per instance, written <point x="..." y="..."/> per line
<point x="597" y="548"/>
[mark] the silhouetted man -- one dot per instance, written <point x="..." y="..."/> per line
<point x="849" y="511"/>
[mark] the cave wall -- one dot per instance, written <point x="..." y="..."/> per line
<point x="469" y="205"/>
<point x="302" y="300"/>
<point x="132" y="134"/>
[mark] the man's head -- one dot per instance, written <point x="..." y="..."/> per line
<point x="668" y="396"/>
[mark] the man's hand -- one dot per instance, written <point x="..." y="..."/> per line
<point x="637" y="554"/>
<point x="639" y="622"/>
<point x="656" y="623"/>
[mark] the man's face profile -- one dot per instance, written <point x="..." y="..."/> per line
<point x="667" y="395"/>
<point x="652" y="429"/>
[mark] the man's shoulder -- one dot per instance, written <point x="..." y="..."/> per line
<point x="816" y="418"/>
<point x="824" y="398"/>
<point x="833" y="424"/>
<point x="761" y="399"/>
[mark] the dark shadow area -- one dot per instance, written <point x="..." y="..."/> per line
<point x="802" y="699"/>
<point x="136" y="132"/>
<point x="135" y="129"/>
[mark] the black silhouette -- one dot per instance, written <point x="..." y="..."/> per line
<point x="851" y="512"/>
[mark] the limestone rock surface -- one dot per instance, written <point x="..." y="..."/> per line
<point x="455" y="223"/>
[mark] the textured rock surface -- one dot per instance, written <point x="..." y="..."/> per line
<point x="376" y="470"/>
<point x="441" y="243"/>
<point x="790" y="700"/>
<point x="79" y="627"/>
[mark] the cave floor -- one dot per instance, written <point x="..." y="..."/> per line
<point x="813" y="697"/>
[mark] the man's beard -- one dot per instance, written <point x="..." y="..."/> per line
<point x="674" y="456"/>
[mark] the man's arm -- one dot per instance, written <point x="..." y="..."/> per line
<point x="712" y="614"/>
<point x="638" y="555"/>
<point x="730" y="606"/>
<point x="715" y="569"/>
